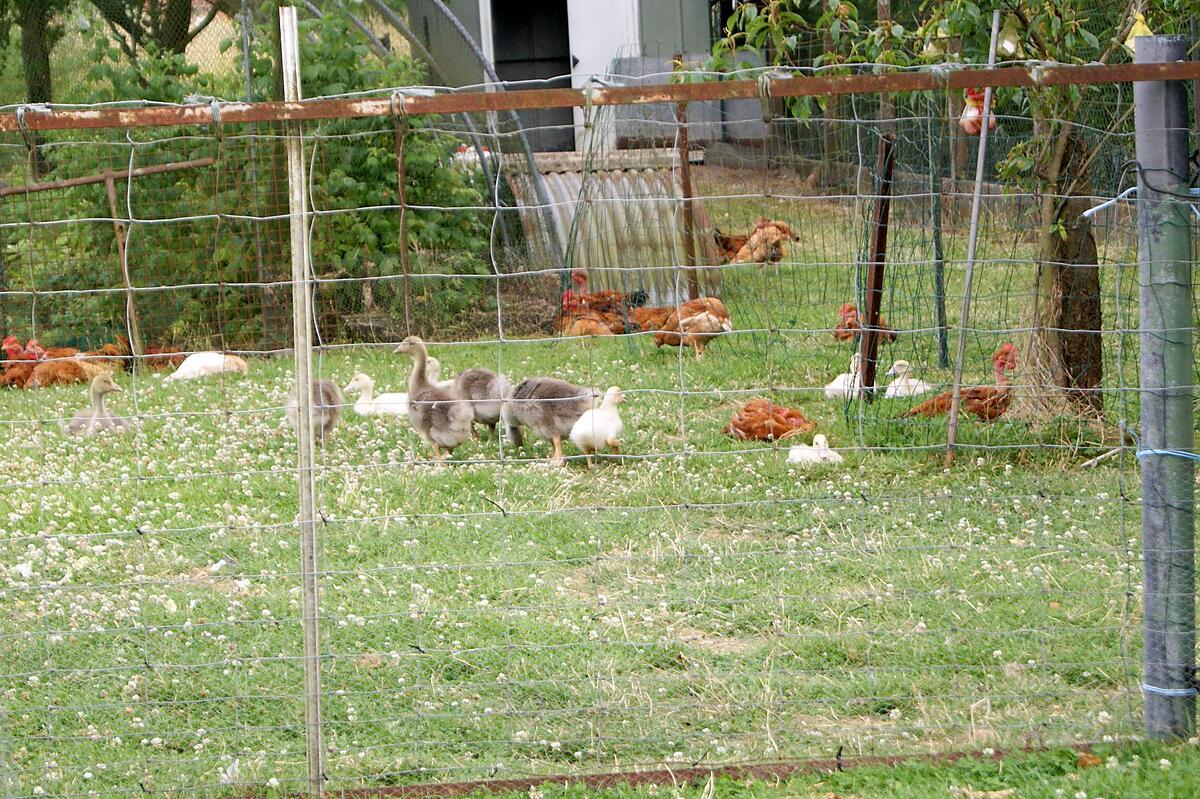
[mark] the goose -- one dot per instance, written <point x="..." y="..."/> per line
<point x="367" y="404"/>
<point x="903" y="385"/>
<point x="440" y="417"/>
<point x="326" y="408"/>
<point x="848" y="385"/>
<point x="550" y="407"/>
<point x="96" y="417"/>
<point x="819" y="452"/>
<point x="486" y="391"/>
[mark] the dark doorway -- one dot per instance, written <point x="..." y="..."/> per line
<point x="531" y="42"/>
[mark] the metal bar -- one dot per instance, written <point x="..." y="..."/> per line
<point x="937" y="181"/>
<point x="131" y="315"/>
<point x="687" y="775"/>
<point x="879" y="235"/>
<point x="302" y="332"/>
<point x="470" y="102"/>
<point x="1166" y="376"/>
<point x="400" y="133"/>
<point x="972" y="243"/>
<point x="120" y="174"/>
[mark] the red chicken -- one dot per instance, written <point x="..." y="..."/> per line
<point x="986" y="402"/>
<point x="850" y="327"/>
<point x="763" y="420"/>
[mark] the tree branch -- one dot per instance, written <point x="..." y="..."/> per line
<point x="213" y="10"/>
<point x="115" y="14"/>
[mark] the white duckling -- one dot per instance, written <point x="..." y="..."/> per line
<point x="600" y="427"/>
<point x="433" y="370"/>
<point x="904" y="385"/>
<point x="819" y="452"/>
<point x="849" y="384"/>
<point x="367" y="404"/>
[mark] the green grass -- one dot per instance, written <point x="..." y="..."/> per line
<point x="698" y="601"/>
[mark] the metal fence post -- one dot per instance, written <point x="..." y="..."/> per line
<point x="1166" y="375"/>
<point x="302" y="332"/>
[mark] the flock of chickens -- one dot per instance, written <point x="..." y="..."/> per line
<point x="30" y="365"/>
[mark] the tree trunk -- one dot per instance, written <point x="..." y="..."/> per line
<point x="1066" y="347"/>
<point x="33" y="17"/>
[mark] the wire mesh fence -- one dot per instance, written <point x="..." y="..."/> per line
<point x="704" y="595"/>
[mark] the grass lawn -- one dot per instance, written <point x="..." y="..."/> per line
<point x="698" y="601"/>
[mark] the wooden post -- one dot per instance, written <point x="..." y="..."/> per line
<point x="306" y="476"/>
<point x="400" y="132"/>
<point x="879" y="234"/>
<point x="131" y="315"/>
<point x="685" y="181"/>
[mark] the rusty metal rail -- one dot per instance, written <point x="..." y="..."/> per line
<point x="471" y="102"/>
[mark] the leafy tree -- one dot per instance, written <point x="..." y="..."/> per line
<point x="1055" y="162"/>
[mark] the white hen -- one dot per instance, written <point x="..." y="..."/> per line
<point x="848" y="385"/>
<point x="903" y="385"/>
<point x="203" y="364"/>
<point x="367" y="404"/>
<point x="819" y="452"/>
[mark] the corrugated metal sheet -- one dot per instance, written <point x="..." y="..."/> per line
<point x="624" y="227"/>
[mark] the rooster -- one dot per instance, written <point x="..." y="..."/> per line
<point x="849" y="326"/>
<point x="986" y="402"/>
<point x="763" y="420"/>
<point x="767" y="243"/>
<point x="692" y="324"/>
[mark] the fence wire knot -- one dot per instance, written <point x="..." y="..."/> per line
<point x="764" y="95"/>
<point x="1170" y="692"/>
<point x="398" y="107"/>
<point x="40" y="108"/>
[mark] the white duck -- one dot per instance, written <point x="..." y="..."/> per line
<point x="848" y="385"/>
<point x="903" y="385"/>
<point x="203" y="364"/>
<point x="819" y="452"/>
<point x="367" y="404"/>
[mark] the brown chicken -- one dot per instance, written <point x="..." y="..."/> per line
<point x="592" y="323"/>
<point x="986" y="402"/>
<point x="766" y="244"/>
<point x="16" y="373"/>
<point x="156" y="356"/>
<point x="763" y="420"/>
<point x="693" y="324"/>
<point x="65" y="371"/>
<point x="649" y="319"/>
<point x="728" y="244"/>
<point x="850" y="327"/>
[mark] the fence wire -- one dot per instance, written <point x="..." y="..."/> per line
<point x="695" y="599"/>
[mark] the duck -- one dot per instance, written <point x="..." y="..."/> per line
<point x="819" y="452"/>
<point x="204" y="364"/>
<point x="96" y="417"/>
<point x="440" y="417"/>
<point x="326" y="407"/>
<point x="903" y="385"/>
<point x="433" y="369"/>
<point x="367" y="404"/>
<point x="849" y="384"/>
<point x="548" y="406"/>
<point x="600" y="427"/>
<point x="486" y="391"/>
